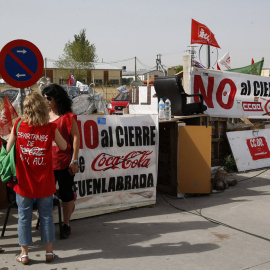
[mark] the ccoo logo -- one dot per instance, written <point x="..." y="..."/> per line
<point x="252" y="106"/>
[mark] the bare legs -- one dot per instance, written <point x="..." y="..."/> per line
<point x="67" y="211"/>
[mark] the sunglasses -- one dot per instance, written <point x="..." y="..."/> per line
<point x="48" y="98"/>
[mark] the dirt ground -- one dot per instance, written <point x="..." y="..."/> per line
<point x="107" y="92"/>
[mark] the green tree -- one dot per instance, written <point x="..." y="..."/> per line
<point x="179" y="68"/>
<point x="78" y="55"/>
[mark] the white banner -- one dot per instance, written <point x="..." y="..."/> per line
<point x="118" y="162"/>
<point x="230" y="94"/>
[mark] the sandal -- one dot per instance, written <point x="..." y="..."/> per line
<point x="50" y="259"/>
<point x="19" y="258"/>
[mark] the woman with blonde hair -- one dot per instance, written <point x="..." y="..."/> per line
<point x="34" y="172"/>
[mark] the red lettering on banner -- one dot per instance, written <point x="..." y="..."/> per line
<point x="199" y="88"/>
<point x="252" y="106"/>
<point x="91" y="138"/>
<point x="258" y="148"/>
<point x="104" y="161"/>
<point x="208" y="97"/>
<point x="231" y="95"/>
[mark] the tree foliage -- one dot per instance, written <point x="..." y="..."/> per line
<point x="78" y="55"/>
<point x="179" y="68"/>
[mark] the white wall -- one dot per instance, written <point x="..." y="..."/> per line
<point x="140" y="108"/>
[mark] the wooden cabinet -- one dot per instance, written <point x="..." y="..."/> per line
<point x="194" y="159"/>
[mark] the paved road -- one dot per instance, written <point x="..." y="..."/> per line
<point x="221" y="231"/>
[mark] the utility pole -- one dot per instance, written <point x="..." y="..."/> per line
<point x="192" y="53"/>
<point x="45" y="67"/>
<point x="135" y="69"/>
<point x="159" y="65"/>
<point x="158" y="61"/>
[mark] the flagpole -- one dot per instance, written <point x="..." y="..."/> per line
<point x="208" y="56"/>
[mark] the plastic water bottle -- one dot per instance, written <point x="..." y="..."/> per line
<point x="168" y="115"/>
<point x="161" y="107"/>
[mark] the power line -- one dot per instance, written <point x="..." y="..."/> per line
<point x="144" y="65"/>
<point x="118" y="61"/>
<point x="122" y="60"/>
<point x="171" y="53"/>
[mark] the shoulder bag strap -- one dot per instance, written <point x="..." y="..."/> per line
<point x="15" y="180"/>
<point x="18" y="127"/>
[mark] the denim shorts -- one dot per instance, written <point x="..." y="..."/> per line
<point x="25" y="210"/>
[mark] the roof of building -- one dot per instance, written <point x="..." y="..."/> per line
<point x="138" y="72"/>
<point x="105" y="66"/>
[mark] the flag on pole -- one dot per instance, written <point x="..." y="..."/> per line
<point x="254" y="69"/>
<point x="201" y="34"/>
<point x="218" y="68"/>
<point x="225" y="60"/>
<point x="252" y="61"/>
<point x="7" y="115"/>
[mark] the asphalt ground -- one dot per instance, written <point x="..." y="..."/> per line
<point x="222" y="231"/>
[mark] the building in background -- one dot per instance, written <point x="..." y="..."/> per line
<point x="100" y="73"/>
<point x="142" y="75"/>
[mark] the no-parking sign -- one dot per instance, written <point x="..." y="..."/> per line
<point x="21" y="63"/>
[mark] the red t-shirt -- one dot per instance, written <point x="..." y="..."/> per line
<point x="61" y="159"/>
<point x="34" y="168"/>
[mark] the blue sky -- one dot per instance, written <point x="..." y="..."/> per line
<point x="123" y="29"/>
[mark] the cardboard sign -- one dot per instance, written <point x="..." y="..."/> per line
<point x="250" y="148"/>
<point x="118" y="161"/>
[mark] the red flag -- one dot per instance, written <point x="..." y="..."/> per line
<point x="252" y="61"/>
<point x="218" y="68"/>
<point x="201" y="34"/>
<point x="69" y="80"/>
<point x="7" y="115"/>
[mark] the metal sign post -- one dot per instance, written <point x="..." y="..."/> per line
<point x="22" y="93"/>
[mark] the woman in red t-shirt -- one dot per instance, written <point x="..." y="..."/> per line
<point x="34" y="172"/>
<point x="65" y="163"/>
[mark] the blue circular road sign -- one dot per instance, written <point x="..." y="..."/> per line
<point x="21" y="63"/>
